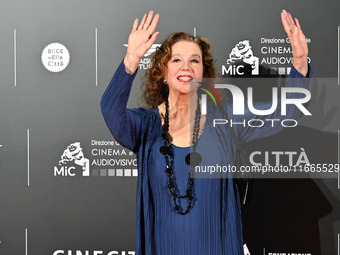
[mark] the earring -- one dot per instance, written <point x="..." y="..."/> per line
<point x="164" y="81"/>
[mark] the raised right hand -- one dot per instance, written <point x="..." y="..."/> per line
<point x="140" y="41"/>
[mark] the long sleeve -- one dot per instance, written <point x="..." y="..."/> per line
<point x="124" y="124"/>
<point x="247" y="133"/>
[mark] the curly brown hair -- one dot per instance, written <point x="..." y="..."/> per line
<point x="156" y="91"/>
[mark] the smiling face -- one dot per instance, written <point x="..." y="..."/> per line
<point x="186" y="63"/>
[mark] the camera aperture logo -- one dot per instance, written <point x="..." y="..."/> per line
<point x="212" y="93"/>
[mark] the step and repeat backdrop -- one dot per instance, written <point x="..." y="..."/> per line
<point x="68" y="188"/>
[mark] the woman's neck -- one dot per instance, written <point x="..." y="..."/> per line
<point x="182" y="103"/>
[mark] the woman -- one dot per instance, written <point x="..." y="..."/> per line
<point x="177" y="214"/>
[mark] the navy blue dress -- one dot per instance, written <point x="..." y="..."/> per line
<point x="213" y="226"/>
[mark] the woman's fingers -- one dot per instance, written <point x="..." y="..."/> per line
<point x="142" y="35"/>
<point x="135" y="25"/>
<point x="297" y="41"/>
<point x="148" y="20"/>
<point x="290" y="19"/>
<point x="302" y="35"/>
<point x="297" y="23"/>
<point x="147" y="26"/>
<point x="285" y="22"/>
<point x="291" y="27"/>
<point x="145" y="23"/>
<point x="153" y="24"/>
<point x="152" y="39"/>
<point x="140" y="40"/>
<point x="142" y="22"/>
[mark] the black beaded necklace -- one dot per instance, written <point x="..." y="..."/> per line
<point x="192" y="159"/>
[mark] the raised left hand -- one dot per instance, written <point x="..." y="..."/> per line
<point x="297" y="41"/>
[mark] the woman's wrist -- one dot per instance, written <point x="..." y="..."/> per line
<point x="131" y="64"/>
<point x="301" y="65"/>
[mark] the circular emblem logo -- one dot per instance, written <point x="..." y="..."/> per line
<point x="55" y="57"/>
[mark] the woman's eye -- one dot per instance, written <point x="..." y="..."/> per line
<point x="176" y="60"/>
<point x="194" y="61"/>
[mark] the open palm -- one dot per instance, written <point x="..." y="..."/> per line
<point x="297" y="40"/>
<point x="140" y="40"/>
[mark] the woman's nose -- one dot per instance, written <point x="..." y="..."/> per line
<point x="185" y="66"/>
